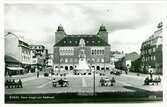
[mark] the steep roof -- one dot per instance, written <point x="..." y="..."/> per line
<point x="90" y="40"/>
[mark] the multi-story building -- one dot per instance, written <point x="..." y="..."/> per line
<point x="69" y="48"/>
<point x="125" y="62"/>
<point x="50" y="60"/>
<point x="151" y="52"/>
<point x="16" y="48"/>
<point x="40" y="57"/>
<point x="115" y="56"/>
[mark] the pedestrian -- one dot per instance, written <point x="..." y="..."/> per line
<point x="37" y="74"/>
<point x="151" y="75"/>
<point x="20" y="83"/>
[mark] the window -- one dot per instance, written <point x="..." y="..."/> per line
<point x="71" y="60"/>
<point x="95" y="52"/>
<point x="61" y="59"/>
<point x="107" y="68"/>
<point x="98" y="60"/>
<point x="66" y="60"/>
<point x="98" y="52"/>
<point x="66" y="67"/>
<point x="92" y="52"/>
<point x="98" y="68"/>
<point x="102" y="51"/>
<point x="71" y="67"/>
<point x="154" y="58"/>
<point x="102" y="60"/>
<point x="154" y="49"/>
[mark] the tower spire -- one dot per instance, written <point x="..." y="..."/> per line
<point x="60" y="28"/>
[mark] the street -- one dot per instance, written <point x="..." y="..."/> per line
<point x="124" y="83"/>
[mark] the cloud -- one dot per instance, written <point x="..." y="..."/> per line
<point x="38" y="22"/>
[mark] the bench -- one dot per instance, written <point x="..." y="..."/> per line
<point x="13" y="84"/>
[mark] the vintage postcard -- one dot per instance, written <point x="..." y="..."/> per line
<point x="83" y="52"/>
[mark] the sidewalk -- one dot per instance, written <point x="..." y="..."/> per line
<point x="134" y="74"/>
<point x="24" y="77"/>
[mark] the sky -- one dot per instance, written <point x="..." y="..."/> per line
<point x="128" y="24"/>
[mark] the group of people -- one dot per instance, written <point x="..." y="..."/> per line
<point x="149" y="79"/>
<point x="13" y="84"/>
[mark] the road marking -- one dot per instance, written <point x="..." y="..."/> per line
<point x="124" y="83"/>
<point x="84" y="82"/>
<point x="44" y="84"/>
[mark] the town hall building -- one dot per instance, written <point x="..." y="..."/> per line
<point x="70" y="50"/>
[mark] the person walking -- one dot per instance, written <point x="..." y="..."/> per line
<point x="37" y="74"/>
<point x="151" y="75"/>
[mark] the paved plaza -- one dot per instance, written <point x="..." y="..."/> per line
<point x="124" y="83"/>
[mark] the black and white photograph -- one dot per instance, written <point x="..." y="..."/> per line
<point x="83" y="53"/>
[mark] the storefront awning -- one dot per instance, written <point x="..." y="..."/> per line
<point x="15" y="68"/>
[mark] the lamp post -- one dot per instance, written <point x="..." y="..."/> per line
<point x="94" y="82"/>
<point x="91" y="61"/>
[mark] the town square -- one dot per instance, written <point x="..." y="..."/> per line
<point x="80" y="63"/>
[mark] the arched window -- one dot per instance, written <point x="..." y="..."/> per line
<point x="97" y="67"/>
<point x="98" y="52"/>
<point x="66" y="67"/>
<point x="71" y="67"/>
<point x="92" y="52"/>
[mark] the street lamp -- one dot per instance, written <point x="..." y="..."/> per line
<point x="91" y="61"/>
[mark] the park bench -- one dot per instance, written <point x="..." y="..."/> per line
<point x="147" y="81"/>
<point x="61" y="83"/>
<point x="13" y="84"/>
<point x="107" y="82"/>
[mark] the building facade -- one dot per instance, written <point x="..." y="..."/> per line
<point x="39" y="57"/>
<point x="125" y="62"/>
<point x="151" y="52"/>
<point x="50" y="60"/>
<point x="19" y="50"/>
<point x="67" y="50"/>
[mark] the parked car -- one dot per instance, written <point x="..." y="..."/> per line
<point x="107" y="82"/>
<point x="61" y="82"/>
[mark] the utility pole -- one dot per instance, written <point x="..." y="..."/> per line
<point x="94" y="82"/>
<point x="91" y="62"/>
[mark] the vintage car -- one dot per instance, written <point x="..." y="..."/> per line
<point x="148" y="80"/>
<point x="116" y="72"/>
<point x="107" y="82"/>
<point x="61" y="82"/>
